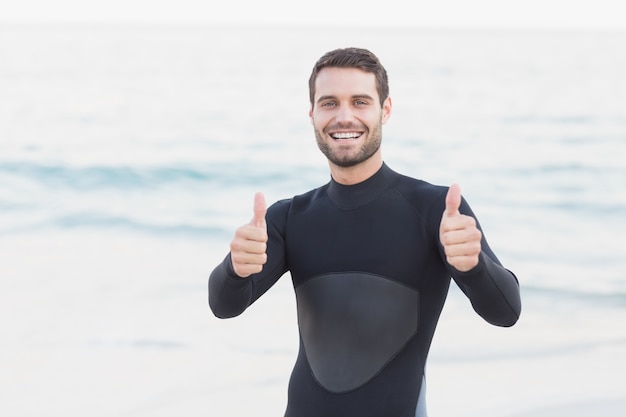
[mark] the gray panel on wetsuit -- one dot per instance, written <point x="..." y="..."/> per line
<point x="352" y="324"/>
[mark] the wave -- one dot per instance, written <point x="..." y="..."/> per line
<point x="128" y="177"/>
<point x="121" y="224"/>
<point x="98" y="176"/>
<point x="116" y="222"/>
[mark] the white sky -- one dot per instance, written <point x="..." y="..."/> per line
<point x="550" y="14"/>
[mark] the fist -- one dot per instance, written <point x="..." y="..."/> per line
<point x="459" y="234"/>
<point x="248" y="247"/>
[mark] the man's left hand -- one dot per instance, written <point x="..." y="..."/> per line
<point x="459" y="234"/>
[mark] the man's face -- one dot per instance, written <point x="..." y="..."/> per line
<point x="347" y="116"/>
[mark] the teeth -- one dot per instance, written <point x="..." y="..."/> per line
<point x="347" y="135"/>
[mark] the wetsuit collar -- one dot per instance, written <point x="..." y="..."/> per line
<point x="352" y="196"/>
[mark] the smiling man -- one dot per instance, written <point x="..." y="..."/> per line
<point x="371" y="255"/>
<point x="348" y="119"/>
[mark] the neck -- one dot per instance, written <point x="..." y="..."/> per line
<point x="358" y="173"/>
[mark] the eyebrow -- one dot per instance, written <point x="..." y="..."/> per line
<point x="329" y="97"/>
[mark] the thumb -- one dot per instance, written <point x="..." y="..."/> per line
<point x="453" y="200"/>
<point x="260" y="208"/>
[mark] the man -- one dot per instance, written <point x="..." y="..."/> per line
<point x="371" y="255"/>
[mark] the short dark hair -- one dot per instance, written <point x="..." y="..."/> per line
<point x="352" y="58"/>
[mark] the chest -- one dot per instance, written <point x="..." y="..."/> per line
<point x="387" y="237"/>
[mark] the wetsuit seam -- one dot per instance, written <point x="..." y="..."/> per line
<point x="395" y="281"/>
<point x="494" y="283"/>
<point x="428" y="226"/>
<point x="231" y="277"/>
<point x="502" y="294"/>
<point x="410" y="203"/>
<point x="221" y="293"/>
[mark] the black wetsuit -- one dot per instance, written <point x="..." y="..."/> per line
<point x="370" y="278"/>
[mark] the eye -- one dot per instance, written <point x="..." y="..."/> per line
<point x="328" y="104"/>
<point x="360" y="103"/>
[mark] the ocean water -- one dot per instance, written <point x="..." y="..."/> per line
<point x="129" y="154"/>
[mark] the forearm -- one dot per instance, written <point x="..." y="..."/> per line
<point x="493" y="291"/>
<point x="229" y="295"/>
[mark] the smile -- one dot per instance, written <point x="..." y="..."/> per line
<point x="346" y="135"/>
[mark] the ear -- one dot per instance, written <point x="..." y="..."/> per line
<point x="311" y="114"/>
<point x="386" y="110"/>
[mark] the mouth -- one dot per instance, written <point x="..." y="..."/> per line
<point x="346" y="135"/>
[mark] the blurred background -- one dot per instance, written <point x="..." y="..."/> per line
<point x="134" y="134"/>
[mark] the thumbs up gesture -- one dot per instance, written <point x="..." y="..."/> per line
<point x="459" y="234"/>
<point x="248" y="247"/>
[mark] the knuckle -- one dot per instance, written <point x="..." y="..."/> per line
<point x="235" y="246"/>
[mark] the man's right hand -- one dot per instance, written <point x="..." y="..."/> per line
<point x="248" y="248"/>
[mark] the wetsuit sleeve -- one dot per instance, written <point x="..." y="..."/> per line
<point x="492" y="289"/>
<point x="229" y="294"/>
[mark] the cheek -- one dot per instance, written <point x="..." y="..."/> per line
<point x="319" y="121"/>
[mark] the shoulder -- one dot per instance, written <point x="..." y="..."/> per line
<point x="281" y="209"/>
<point x="301" y="202"/>
<point x="427" y="198"/>
<point x="421" y="194"/>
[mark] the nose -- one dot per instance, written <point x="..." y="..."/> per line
<point x="344" y="114"/>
